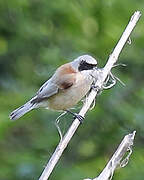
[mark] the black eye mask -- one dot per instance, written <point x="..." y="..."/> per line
<point x="85" y="66"/>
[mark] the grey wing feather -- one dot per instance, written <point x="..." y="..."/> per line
<point x="47" y="89"/>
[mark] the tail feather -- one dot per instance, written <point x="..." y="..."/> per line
<point x="17" y="113"/>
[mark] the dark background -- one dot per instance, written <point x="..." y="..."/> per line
<point x="36" y="36"/>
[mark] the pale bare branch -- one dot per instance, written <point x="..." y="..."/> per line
<point x="117" y="159"/>
<point x="102" y="75"/>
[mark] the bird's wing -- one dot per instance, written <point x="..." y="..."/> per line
<point x="46" y="90"/>
<point x="59" y="81"/>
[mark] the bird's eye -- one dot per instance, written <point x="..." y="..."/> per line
<point x="86" y="66"/>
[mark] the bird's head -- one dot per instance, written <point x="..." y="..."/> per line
<point x="85" y="62"/>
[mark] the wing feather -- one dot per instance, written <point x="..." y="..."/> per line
<point x="63" y="79"/>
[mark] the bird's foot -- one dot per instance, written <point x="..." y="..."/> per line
<point x="95" y="88"/>
<point x="77" y="116"/>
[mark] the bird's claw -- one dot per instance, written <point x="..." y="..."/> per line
<point x="76" y="116"/>
<point x="95" y="88"/>
<point x="79" y="117"/>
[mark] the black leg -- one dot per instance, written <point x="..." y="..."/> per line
<point x="75" y="115"/>
<point x="95" y="88"/>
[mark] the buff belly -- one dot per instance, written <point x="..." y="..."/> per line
<point x="66" y="99"/>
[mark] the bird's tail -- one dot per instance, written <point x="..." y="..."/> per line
<point x="17" y="113"/>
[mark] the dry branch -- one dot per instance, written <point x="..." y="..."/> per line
<point x="117" y="158"/>
<point x="102" y="75"/>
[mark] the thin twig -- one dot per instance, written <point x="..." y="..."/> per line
<point x="102" y="75"/>
<point x="117" y="158"/>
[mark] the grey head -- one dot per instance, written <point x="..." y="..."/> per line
<point x="85" y="62"/>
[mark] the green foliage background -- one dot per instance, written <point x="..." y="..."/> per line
<point x="36" y="36"/>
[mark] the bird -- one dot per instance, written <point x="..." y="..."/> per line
<point x="67" y="86"/>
